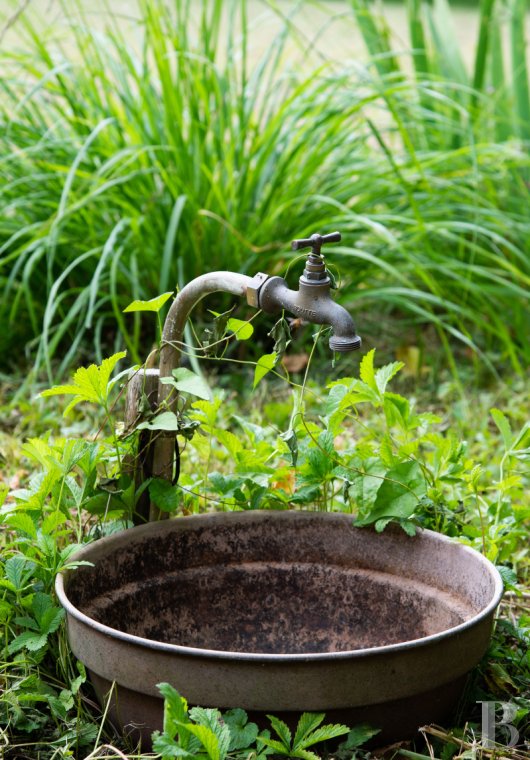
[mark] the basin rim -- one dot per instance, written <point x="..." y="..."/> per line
<point x="185" y="651"/>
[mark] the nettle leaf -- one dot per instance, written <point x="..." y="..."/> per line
<point x="186" y="381"/>
<point x="4" y="490"/>
<point x="264" y="365"/>
<point x="89" y="383"/>
<point x="397" y="410"/>
<point x="52" y="521"/>
<point x="366" y="370"/>
<point x="154" y="304"/>
<point x="209" y="740"/>
<point x="211" y="719"/>
<point x="385" y="374"/>
<point x="22" y="522"/>
<point x="165" y="495"/>
<point x="335" y="398"/>
<point x="399" y="493"/>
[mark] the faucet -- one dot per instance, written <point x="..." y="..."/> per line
<point x="312" y="301"/>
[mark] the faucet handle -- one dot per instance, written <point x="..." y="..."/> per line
<point x="315" y="242"/>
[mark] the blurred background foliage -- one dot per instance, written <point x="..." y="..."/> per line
<point x="141" y="150"/>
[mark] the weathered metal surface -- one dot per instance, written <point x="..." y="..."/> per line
<point x="281" y="611"/>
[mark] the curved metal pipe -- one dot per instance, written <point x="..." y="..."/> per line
<point x="170" y="352"/>
<point x="181" y="308"/>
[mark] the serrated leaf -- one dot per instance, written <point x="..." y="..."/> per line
<point x="4" y="490"/>
<point x="384" y="374"/>
<point x="322" y="734"/>
<point x="28" y="640"/>
<point x="335" y="398"/>
<point x="165" y="495"/>
<point x="509" y="577"/>
<point x="163" y="421"/>
<point x="89" y="383"/>
<point x="264" y="365"/>
<point x="308" y="722"/>
<point x="6" y="610"/>
<point x="208" y="740"/>
<point x="503" y="425"/>
<point x="274" y="744"/>
<point x="22" y="522"/>
<point x="305" y="754"/>
<point x="52" y="521"/>
<point x="366" y="370"/>
<point x="51" y="620"/>
<point x="282" y="730"/>
<point x="41" y="603"/>
<point x="18" y="571"/>
<point x="211" y="719"/>
<point x="28" y="622"/>
<point x="153" y="304"/>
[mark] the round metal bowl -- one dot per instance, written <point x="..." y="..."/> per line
<point x="281" y="612"/>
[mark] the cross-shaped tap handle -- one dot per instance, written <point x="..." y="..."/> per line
<point x="315" y="242"/>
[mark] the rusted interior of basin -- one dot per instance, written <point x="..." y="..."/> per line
<point x="280" y="611"/>
<point x="270" y="607"/>
<point x="248" y="589"/>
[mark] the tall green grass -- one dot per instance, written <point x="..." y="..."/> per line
<point x="143" y="158"/>
<point x="128" y="171"/>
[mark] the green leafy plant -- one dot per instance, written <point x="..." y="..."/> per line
<point x="206" y="733"/>
<point x="309" y="732"/>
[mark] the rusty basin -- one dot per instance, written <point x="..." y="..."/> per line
<point x="281" y="612"/>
